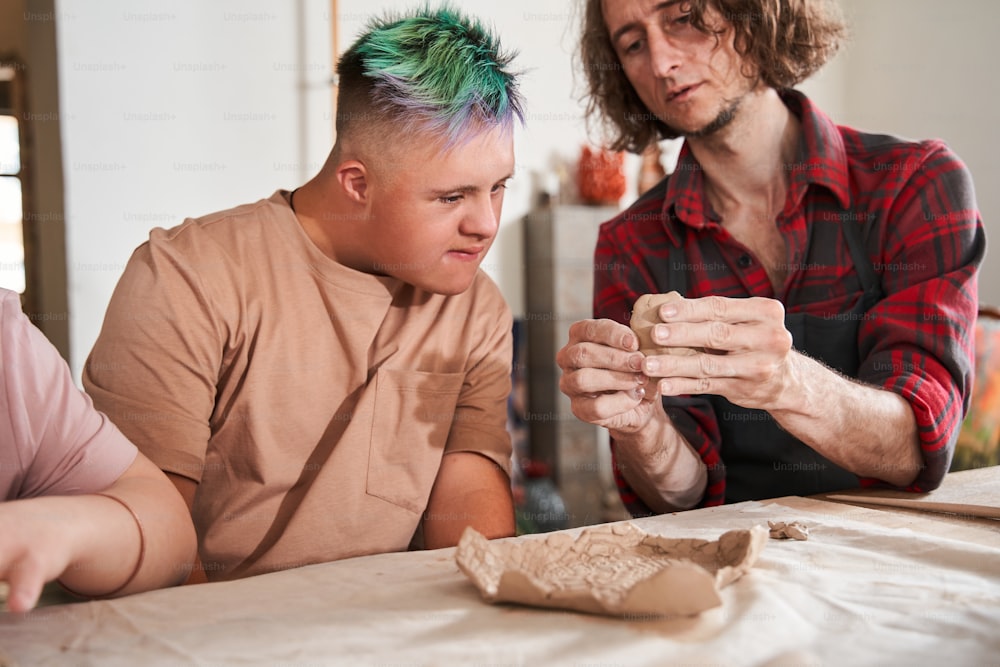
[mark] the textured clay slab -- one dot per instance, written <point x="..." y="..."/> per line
<point x="645" y="317"/>
<point x="613" y="569"/>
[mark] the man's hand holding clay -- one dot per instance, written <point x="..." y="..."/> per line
<point x="737" y="348"/>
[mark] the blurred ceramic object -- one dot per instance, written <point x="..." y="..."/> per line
<point x="539" y="508"/>
<point x="600" y="176"/>
<point x="979" y="439"/>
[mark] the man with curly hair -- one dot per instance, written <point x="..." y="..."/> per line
<point x="828" y="275"/>
<point x="324" y="373"/>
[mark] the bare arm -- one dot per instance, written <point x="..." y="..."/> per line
<point x="187" y="488"/>
<point x="603" y="379"/>
<point x="661" y="466"/>
<point x="867" y="430"/>
<point x="470" y="490"/>
<point x="92" y="544"/>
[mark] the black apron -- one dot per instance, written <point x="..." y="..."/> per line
<point x="761" y="459"/>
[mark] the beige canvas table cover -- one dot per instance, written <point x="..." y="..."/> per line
<point x="867" y="588"/>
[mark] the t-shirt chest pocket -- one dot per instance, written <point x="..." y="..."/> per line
<point x="413" y="417"/>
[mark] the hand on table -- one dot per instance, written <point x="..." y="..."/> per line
<point x="35" y="548"/>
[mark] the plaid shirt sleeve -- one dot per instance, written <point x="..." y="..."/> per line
<point x="623" y="278"/>
<point x="918" y="341"/>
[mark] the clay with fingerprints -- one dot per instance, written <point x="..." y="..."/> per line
<point x="645" y="315"/>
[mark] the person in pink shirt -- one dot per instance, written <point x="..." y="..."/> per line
<point x="81" y="504"/>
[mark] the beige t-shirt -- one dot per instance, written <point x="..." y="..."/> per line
<point x="311" y="402"/>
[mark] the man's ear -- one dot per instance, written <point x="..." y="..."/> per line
<point x="352" y="175"/>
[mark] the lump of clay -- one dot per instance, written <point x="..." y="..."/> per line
<point x="793" y="530"/>
<point x="614" y="569"/>
<point x="645" y="317"/>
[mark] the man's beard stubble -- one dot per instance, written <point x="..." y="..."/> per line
<point x="724" y="118"/>
<point x="721" y="120"/>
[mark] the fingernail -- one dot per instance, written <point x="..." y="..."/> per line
<point x="668" y="311"/>
<point x="652" y="365"/>
<point x="628" y="342"/>
<point x="635" y="362"/>
<point x="638" y="393"/>
<point x="665" y="387"/>
<point x="661" y="333"/>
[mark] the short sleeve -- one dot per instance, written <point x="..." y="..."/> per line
<point x="155" y="364"/>
<point x="59" y="444"/>
<point x="480" y="421"/>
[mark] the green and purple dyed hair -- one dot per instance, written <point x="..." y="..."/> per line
<point x="434" y="71"/>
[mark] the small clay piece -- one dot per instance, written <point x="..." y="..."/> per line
<point x="645" y="315"/>
<point x="614" y="569"/>
<point x="793" y="530"/>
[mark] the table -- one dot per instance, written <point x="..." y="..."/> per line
<point x="869" y="587"/>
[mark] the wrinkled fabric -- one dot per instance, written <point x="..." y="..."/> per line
<point x="867" y="588"/>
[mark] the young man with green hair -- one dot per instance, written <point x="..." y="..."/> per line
<point x="324" y="373"/>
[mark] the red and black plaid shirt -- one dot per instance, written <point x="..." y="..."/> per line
<point x="924" y="237"/>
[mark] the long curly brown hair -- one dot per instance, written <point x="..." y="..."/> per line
<point x="782" y="42"/>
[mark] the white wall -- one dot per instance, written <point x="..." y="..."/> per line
<point x="176" y="108"/>
<point x="182" y="107"/>
<point x="927" y="69"/>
